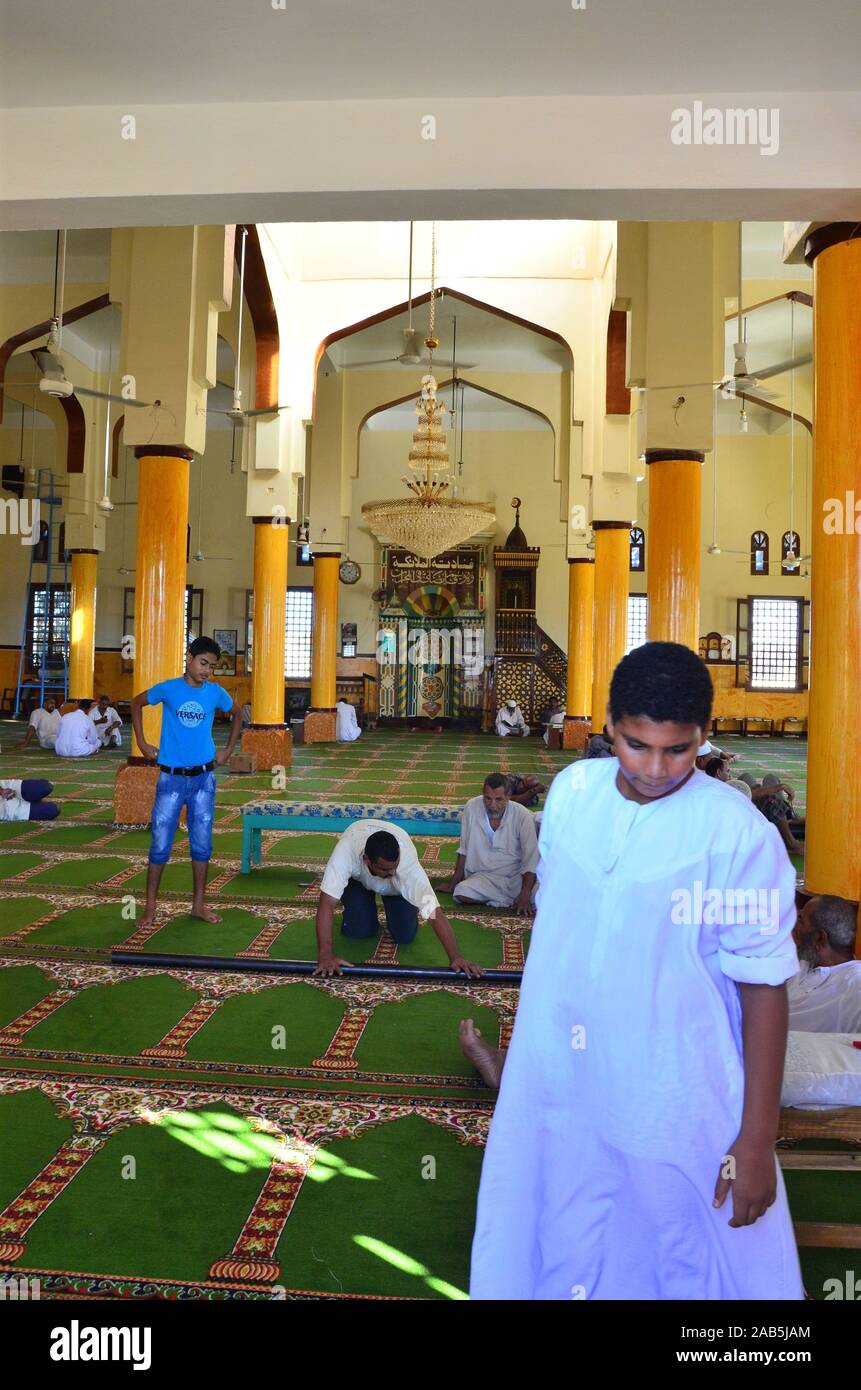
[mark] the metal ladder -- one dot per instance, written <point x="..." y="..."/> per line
<point x="48" y="501"/>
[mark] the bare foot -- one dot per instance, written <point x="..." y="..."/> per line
<point x="146" y="921"/>
<point x="204" y="914"/>
<point x="488" y="1061"/>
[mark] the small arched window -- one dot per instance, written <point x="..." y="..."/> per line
<point x="637" y="549"/>
<point x="759" y="553"/>
<point x="790" y="552"/>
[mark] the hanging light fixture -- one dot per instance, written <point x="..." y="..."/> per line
<point x="428" y="523"/>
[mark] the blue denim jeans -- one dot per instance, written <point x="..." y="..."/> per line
<point x="197" y="794"/>
<point x="360" y="914"/>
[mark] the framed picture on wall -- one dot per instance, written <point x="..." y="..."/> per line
<point x="226" y="639"/>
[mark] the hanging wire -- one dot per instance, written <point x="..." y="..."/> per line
<point x="714" y="467"/>
<point x="792" y="430"/>
<point x="431" y="340"/>
<point x="410" y="291"/>
<point x="56" y="273"/>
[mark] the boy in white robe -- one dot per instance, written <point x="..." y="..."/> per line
<point x="631" y="1154"/>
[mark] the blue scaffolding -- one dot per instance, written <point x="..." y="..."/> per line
<point x="51" y="673"/>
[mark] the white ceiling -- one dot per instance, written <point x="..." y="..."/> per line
<point x="561" y="249"/>
<point x="485" y="341"/>
<point x="481" y="412"/>
<point x="124" y="52"/>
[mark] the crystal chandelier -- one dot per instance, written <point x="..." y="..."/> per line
<point x="428" y="523"/>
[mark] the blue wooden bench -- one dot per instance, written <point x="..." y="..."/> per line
<point x="334" y="817"/>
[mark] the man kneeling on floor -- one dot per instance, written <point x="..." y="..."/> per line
<point x="498" y="852"/>
<point x="376" y="857"/>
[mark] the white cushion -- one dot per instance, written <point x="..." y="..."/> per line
<point x="822" y="1069"/>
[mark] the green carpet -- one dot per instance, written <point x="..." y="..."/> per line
<point x="242" y="1132"/>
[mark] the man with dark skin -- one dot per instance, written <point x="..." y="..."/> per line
<point x="187" y="762"/>
<point x="389" y="868"/>
<point x="496" y="882"/>
<point x="656" y="760"/>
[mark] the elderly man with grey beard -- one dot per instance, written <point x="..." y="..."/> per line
<point x="825" y="995"/>
<point x="497" y="857"/>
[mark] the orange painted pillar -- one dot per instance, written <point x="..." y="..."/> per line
<point x="612" y="561"/>
<point x="159" y="609"/>
<point x="268" y="738"/>
<point x="160" y="575"/>
<point x="675" y="545"/>
<point x="581" y="617"/>
<point x="82" y="624"/>
<point x="320" y="719"/>
<point x="833" y="837"/>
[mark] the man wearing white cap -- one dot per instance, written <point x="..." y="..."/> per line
<point x="510" y="721"/>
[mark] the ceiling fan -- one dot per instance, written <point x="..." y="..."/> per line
<point x="53" y="380"/>
<point x="236" y="414"/>
<point x="416" y="350"/>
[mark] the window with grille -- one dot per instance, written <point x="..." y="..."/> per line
<point x="637" y="613"/>
<point x="48" y="627"/>
<point x="192" y="622"/>
<point x="775" y="643"/>
<point x="297" y="632"/>
<point x="193" y="625"/>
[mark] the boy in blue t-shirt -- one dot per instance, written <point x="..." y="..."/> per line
<point x="187" y="759"/>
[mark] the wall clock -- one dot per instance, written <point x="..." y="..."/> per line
<point x="349" y="572"/>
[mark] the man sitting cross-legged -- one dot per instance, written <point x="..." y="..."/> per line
<point x="498" y="852"/>
<point x="106" y="722"/>
<point x="44" y="723"/>
<point x="375" y="857"/>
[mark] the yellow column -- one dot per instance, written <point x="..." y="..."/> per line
<point x="82" y="627"/>
<point x="268" y="738"/>
<point x="160" y="572"/>
<point x="832" y="862"/>
<point x="612" y="559"/>
<point x="581" y="616"/>
<point x="320" y="719"/>
<point x="675" y="545"/>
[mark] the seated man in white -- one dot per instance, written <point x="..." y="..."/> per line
<point x="555" y="720"/>
<point x="497" y="857"/>
<point x="44" y="723"/>
<point x="77" y="736"/>
<point x="825" y="995"/>
<point x="346" y="724"/>
<point x="510" y="721"/>
<point x="106" y="722"/>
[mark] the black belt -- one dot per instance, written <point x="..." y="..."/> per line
<point x="187" y="771"/>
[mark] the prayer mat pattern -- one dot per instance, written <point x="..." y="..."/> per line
<point x="180" y="1133"/>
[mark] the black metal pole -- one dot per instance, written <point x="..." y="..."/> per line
<point x="307" y="967"/>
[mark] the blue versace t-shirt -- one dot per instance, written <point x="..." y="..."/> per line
<point x="186" y="720"/>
